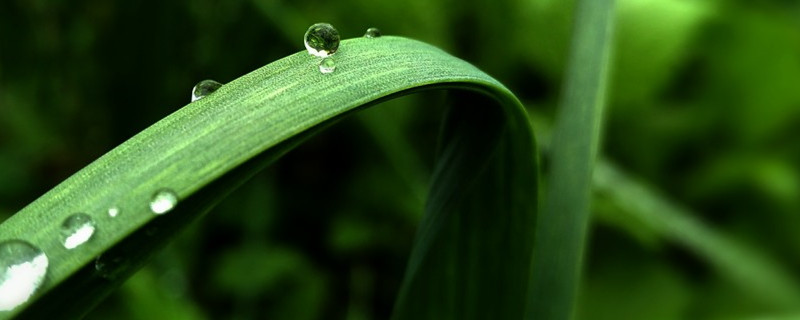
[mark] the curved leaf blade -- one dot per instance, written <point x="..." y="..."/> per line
<point x="204" y="148"/>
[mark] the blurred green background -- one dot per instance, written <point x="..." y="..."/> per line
<point x="704" y="111"/>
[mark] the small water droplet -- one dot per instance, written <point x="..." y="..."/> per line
<point x="204" y="88"/>
<point x="163" y="201"/>
<point x="321" y="40"/>
<point x="22" y="270"/>
<point x="372" y="33"/>
<point x="113" y="212"/>
<point x="327" y="65"/>
<point x="77" y="229"/>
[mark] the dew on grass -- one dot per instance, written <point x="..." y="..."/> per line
<point x="113" y="212"/>
<point x="77" y="229"/>
<point x="327" y="65"/>
<point x="163" y="201"/>
<point x="204" y="88"/>
<point x="321" y="40"/>
<point x="23" y="268"/>
<point x="372" y="33"/>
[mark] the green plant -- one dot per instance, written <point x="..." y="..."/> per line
<point x="563" y="225"/>
<point x="201" y="151"/>
<point x="691" y="213"/>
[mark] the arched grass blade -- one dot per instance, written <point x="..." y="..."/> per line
<point x="484" y="186"/>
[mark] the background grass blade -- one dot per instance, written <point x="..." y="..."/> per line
<point x="754" y="272"/>
<point x="562" y="225"/>
<point x="649" y="216"/>
<point x="477" y="213"/>
<point x="208" y="147"/>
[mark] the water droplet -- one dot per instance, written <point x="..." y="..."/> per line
<point x="204" y="88"/>
<point x="163" y="201"/>
<point x="372" y="33"/>
<point x="113" y="212"/>
<point x="327" y="65"/>
<point x="77" y="229"/>
<point x="321" y="40"/>
<point x="22" y="270"/>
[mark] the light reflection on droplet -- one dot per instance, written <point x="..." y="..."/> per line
<point x="163" y="201"/>
<point x="77" y="229"/>
<point x="23" y="268"/>
<point x="321" y="40"/>
<point x="327" y="65"/>
<point x="204" y="88"/>
<point x="372" y="33"/>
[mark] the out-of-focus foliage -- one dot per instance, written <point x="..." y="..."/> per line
<point x="704" y="107"/>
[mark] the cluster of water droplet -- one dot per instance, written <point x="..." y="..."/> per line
<point x="23" y="267"/>
<point x="322" y="40"/>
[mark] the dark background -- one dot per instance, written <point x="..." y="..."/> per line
<point x="704" y="108"/>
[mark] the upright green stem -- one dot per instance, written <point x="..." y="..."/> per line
<point x="562" y="225"/>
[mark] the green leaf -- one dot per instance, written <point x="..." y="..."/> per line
<point x="561" y="227"/>
<point x="474" y="241"/>
<point x="764" y="280"/>
<point x="479" y="213"/>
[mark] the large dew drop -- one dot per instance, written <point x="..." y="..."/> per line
<point x="77" y="229"/>
<point x="372" y="33"/>
<point x="327" y="65"/>
<point x="204" y="88"/>
<point x="163" y="201"/>
<point x="321" y="40"/>
<point x="23" y="268"/>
